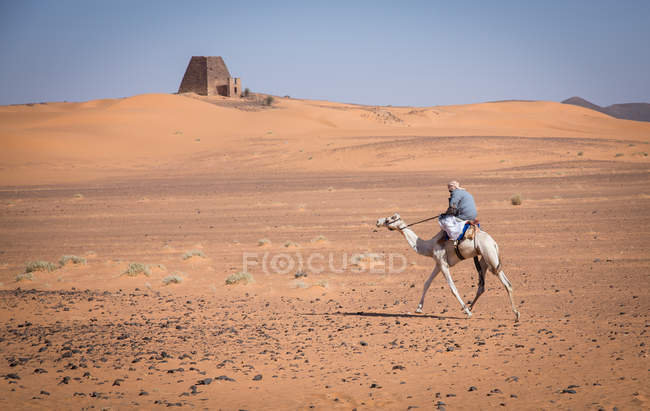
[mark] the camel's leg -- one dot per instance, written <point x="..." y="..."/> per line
<point x="427" y="283"/>
<point x="445" y="271"/>
<point x="489" y="249"/>
<point x="481" y="283"/>
<point x="506" y="283"/>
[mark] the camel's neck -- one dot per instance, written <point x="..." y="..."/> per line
<point x="411" y="237"/>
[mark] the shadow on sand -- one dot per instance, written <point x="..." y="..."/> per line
<point x="387" y="315"/>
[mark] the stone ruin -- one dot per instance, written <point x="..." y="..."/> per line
<point x="209" y="76"/>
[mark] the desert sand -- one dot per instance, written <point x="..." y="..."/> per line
<point x="189" y="185"/>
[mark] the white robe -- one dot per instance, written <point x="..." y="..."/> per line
<point x="453" y="226"/>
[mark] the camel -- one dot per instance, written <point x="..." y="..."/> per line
<point x="442" y="251"/>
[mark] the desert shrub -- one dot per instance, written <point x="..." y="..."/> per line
<point x="137" y="268"/>
<point x="240" y="277"/>
<point x="300" y="274"/>
<point x="290" y="243"/>
<point x="318" y="239"/>
<point x="263" y="242"/>
<point x="71" y="258"/>
<point x="40" y="266"/>
<point x="268" y="100"/>
<point x="580" y="153"/>
<point x="247" y="92"/>
<point x="515" y="199"/>
<point x="365" y="258"/>
<point x="618" y="155"/>
<point x="193" y="253"/>
<point x="78" y="196"/>
<point x="24" y="276"/>
<point x="172" y="279"/>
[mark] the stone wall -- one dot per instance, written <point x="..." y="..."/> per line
<point x="218" y="76"/>
<point x="195" y="78"/>
<point x="234" y="87"/>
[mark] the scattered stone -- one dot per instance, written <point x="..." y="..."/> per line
<point x="12" y="376"/>
<point x="224" y="378"/>
<point x="65" y="380"/>
<point x="258" y="377"/>
<point x="205" y="381"/>
<point x="472" y="388"/>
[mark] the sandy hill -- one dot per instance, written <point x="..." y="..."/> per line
<point x="169" y="134"/>
<point x="628" y="111"/>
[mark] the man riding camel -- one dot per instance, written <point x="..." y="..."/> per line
<point x="461" y="209"/>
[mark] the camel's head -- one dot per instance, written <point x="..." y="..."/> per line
<point x="393" y="222"/>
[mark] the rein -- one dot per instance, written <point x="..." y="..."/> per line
<point x="421" y="221"/>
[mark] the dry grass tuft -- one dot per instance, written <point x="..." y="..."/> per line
<point x="40" y="266"/>
<point x="322" y="283"/>
<point x="263" y="242"/>
<point x="240" y="277"/>
<point x="137" y="268"/>
<point x="299" y="284"/>
<point x="319" y="239"/>
<point x="172" y="279"/>
<point x="25" y="276"/>
<point x="193" y="253"/>
<point x="71" y="259"/>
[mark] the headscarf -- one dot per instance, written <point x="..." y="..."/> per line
<point x="455" y="184"/>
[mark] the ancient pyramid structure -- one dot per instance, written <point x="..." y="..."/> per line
<point x="209" y="76"/>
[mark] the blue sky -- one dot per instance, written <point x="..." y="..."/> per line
<point x="416" y="53"/>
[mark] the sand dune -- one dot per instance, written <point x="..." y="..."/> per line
<point x="68" y="142"/>
<point x="184" y="187"/>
